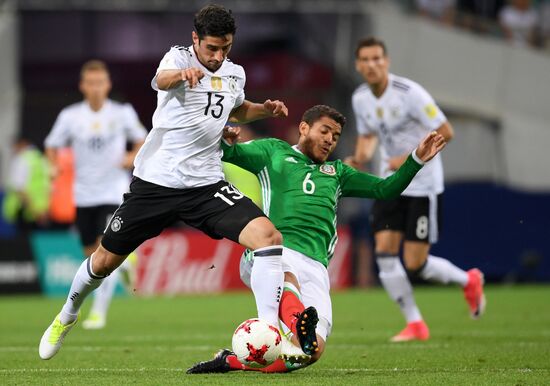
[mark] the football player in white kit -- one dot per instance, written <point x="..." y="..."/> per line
<point x="398" y="112"/>
<point x="98" y="130"/>
<point x="178" y="173"/>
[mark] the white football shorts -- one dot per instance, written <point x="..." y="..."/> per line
<point x="314" y="284"/>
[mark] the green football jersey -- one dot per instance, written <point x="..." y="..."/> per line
<point x="301" y="197"/>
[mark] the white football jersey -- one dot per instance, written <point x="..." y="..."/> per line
<point x="98" y="140"/>
<point x="183" y="148"/>
<point x="401" y="117"/>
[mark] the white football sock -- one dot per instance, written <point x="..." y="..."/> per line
<point x="84" y="282"/>
<point x="266" y="281"/>
<point x="104" y="294"/>
<point x="397" y="285"/>
<point x="443" y="271"/>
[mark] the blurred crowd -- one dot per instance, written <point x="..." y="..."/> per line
<point x="520" y="22"/>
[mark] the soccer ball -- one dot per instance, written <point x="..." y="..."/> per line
<point x="256" y="343"/>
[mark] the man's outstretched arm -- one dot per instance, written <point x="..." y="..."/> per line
<point x="358" y="184"/>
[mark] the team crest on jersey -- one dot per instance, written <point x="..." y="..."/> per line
<point x="216" y="82"/>
<point x="116" y="224"/>
<point x="232" y="84"/>
<point x="327" y="169"/>
<point x="380" y="112"/>
<point x="394" y="111"/>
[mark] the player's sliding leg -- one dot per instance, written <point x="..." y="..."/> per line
<point x="88" y="277"/>
<point x="396" y="283"/>
<point x="291" y="312"/>
<point x="301" y="321"/>
<point x="225" y="360"/>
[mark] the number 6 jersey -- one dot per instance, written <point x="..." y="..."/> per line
<point x="183" y="148"/>
<point x="301" y="197"/>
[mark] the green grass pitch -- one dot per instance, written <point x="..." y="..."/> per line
<point x="153" y="340"/>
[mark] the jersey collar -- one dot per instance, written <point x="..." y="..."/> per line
<point x="105" y="106"/>
<point x="297" y="150"/>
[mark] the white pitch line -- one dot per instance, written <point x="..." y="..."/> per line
<point x="111" y="348"/>
<point x="167" y="369"/>
<point x="89" y="370"/>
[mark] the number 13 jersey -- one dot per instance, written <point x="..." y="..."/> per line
<point x="183" y="148"/>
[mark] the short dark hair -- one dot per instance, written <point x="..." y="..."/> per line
<point x="371" y="41"/>
<point x="316" y="112"/>
<point x="214" y="20"/>
<point x="93" y="65"/>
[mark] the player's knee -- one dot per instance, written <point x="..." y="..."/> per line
<point x="414" y="267"/>
<point x="272" y="237"/>
<point x="387" y="262"/>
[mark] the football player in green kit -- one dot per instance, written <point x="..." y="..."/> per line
<point x="300" y="194"/>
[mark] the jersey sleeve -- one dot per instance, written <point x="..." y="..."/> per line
<point x="361" y="124"/>
<point x="60" y="135"/>
<point x="252" y="155"/>
<point x="241" y="82"/>
<point x="134" y="129"/>
<point x="172" y="60"/>
<point x="424" y="109"/>
<point x="358" y="184"/>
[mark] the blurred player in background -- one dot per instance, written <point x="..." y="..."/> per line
<point x="300" y="194"/>
<point x="178" y="172"/>
<point x="399" y="112"/>
<point x="98" y="130"/>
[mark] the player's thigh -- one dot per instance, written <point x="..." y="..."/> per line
<point x="103" y="217"/>
<point x="146" y="210"/>
<point x="418" y="223"/>
<point x="221" y="211"/>
<point x="258" y="233"/>
<point x="315" y="291"/>
<point x="388" y="224"/>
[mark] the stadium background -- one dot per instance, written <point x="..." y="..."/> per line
<point x="497" y="199"/>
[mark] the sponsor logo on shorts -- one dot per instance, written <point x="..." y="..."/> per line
<point x="116" y="224"/>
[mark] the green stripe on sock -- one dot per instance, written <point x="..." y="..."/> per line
<point x="294" y="292"/>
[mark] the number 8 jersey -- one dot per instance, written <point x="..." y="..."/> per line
<point x="183" y="148"/>
<point x="301" y="197"/>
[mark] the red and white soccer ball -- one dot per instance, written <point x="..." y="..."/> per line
<point x="257" y="343"/>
